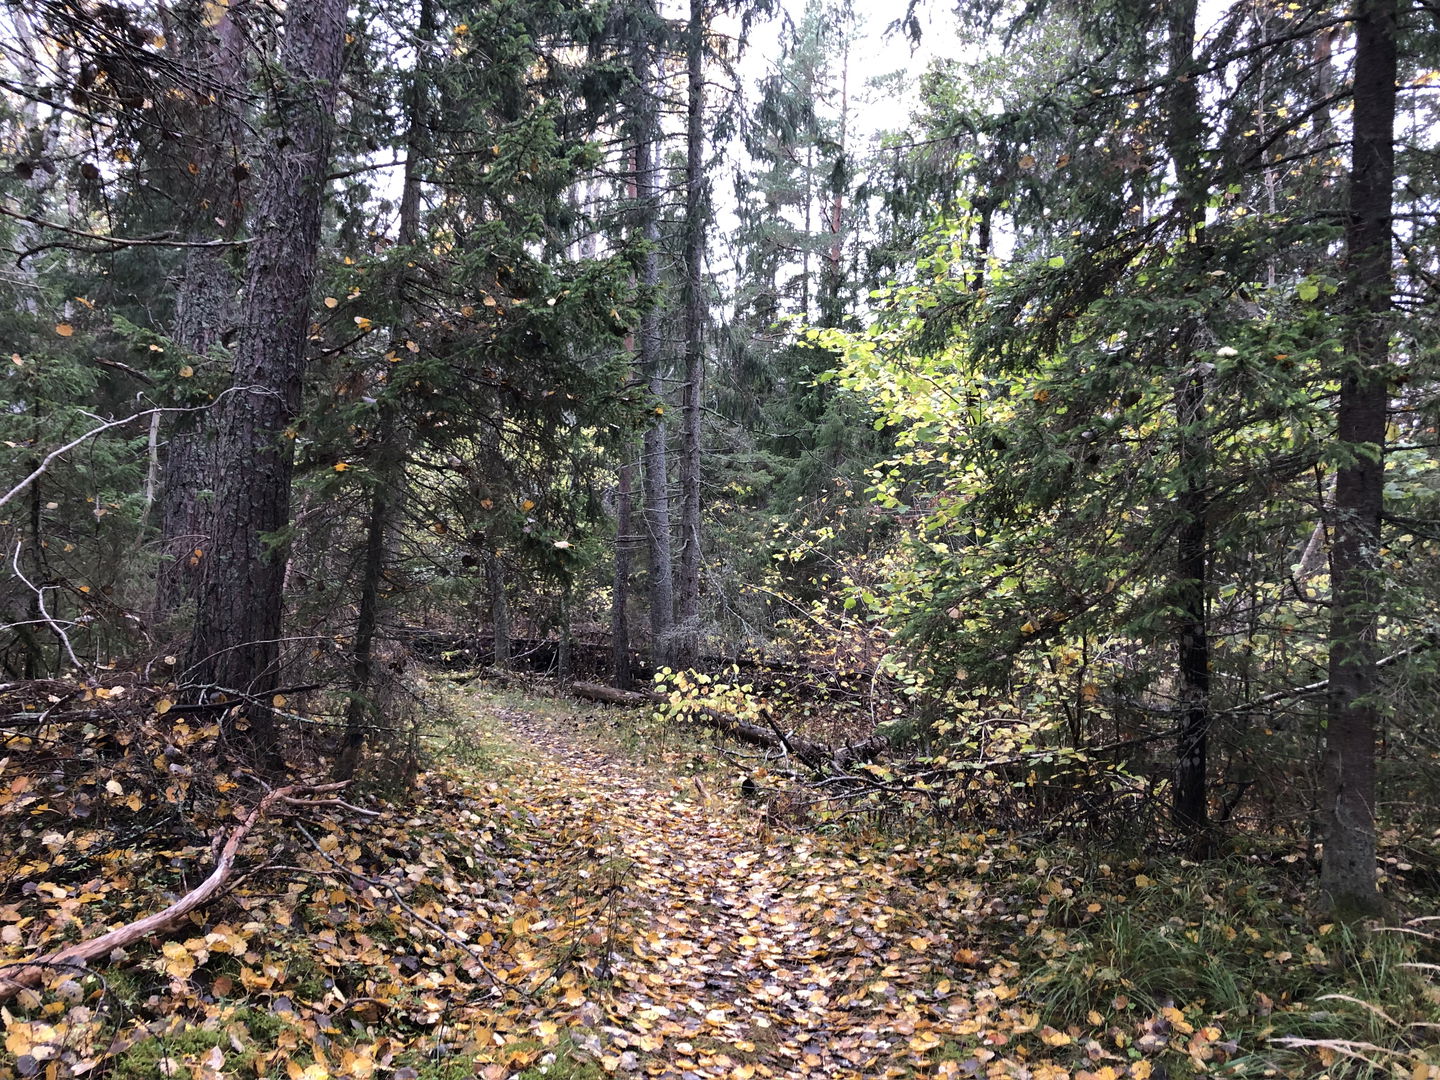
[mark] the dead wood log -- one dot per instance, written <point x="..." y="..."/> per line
<point x="608" y="695"/>
<point x="29" y="973"/>
<point x="815" y="756"/>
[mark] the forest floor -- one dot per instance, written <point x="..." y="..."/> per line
<point x="570" y="894"/>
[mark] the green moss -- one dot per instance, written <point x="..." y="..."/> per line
<point x="142" y="1061"/>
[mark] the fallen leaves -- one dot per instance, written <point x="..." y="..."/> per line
<point x="566" y="907"/>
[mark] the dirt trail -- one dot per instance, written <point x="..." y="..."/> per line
<point x="730" y="956"/>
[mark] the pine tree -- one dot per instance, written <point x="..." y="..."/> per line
<point x="236" y="642"/>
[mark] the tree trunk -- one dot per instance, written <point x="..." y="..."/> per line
<point x="620" y="598"/>
<point x="387" y="467"/>
<point x="831" y="309"/>
<point x="210" y="200"/>
<point x="1185" y="138"/>
<point x="1190" y="811"/>
<point x="1347" y="871"/>
<point x="236" y="639"/>
<point x="499" y="609"/>
<point x="564" y="654"/>
<point x="696" y="220"/>
<point x="657" y="487"/>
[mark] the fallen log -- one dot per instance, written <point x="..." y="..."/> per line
<point x="27" y="974"/>
<point x="815" y="756"/>
<point x="609" y="695"/>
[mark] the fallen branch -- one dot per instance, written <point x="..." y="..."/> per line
<point x="29" y="973"/>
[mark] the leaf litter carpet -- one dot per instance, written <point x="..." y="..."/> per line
<point x="711" y="948"/>
<point x="539" y="906"/>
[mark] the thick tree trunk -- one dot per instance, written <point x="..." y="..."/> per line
<point x="236" y="639"/>
<point x="209" y="198"/>
<point x="1347" y="873"/>
<point x="696" y="220"/>
<point x="204" y="310"/>
<point x="657" y="480"/>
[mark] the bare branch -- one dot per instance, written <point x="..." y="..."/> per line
<point x="107" y="425"/>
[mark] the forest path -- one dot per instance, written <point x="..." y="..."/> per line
<point x="711" y="949"/>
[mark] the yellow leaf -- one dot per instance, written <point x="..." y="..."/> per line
<point x="412" y="346"/>
<point x="186" y="371"/>
<point x="528" y="504"/>
<point x="164" y="705"/>
<point x="178" y="961"/>
<point x="18" y="1041"/>
<point x="331" y="302"/>
<point x="1095" y="1018"/>
<point x="64" y="329"/>
<point x="919" y="944"/>
<point x="278" y="701"/>
<point x="341" y="466"/>
<point x="363" y="323"/>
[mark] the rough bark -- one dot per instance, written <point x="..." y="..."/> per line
<point x="240" y="603"/>
<point x="209" y="198"/>
<point x="501" y="636"/>
<point x="696" y="220"/>
<point x="1347" y="873"/>
<point x="657" y="484"/>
